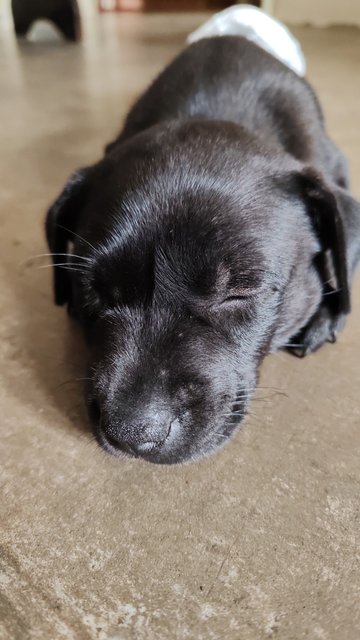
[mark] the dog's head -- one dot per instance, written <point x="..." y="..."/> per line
<point x="192" y="256"/>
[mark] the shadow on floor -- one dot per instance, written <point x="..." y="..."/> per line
<point x="47" y="345"/>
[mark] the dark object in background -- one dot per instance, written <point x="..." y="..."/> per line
<point x="218" y="227"/>
<point x="63" y="13"/>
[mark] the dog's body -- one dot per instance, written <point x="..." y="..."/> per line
<point x="217" y="227"/>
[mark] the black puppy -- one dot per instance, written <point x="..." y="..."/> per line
<point x="217" y="228"/>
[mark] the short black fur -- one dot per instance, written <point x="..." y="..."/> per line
<point x="218" y="227"/>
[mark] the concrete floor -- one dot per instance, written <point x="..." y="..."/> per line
<point x="259" y="541"/>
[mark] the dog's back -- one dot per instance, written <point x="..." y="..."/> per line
<point x="230" y="78"/>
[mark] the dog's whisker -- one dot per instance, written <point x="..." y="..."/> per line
<point x="72" y="381"/>
<point x="254" y="416"/>
<point x="52" y="255"/>
<point x="73" y="255"/>
<point x="233" y="413"/>
<point x="73" y="269"/>
<point x="70" y="266"/>
<point x="277" y="389"/>
<point x="77" y="235"/>
<point x="330" y="293"/>
<point x="328" y="281"/>
<point x="78" y="407"/>
<point x="63" y="264"/>
<point x="271" y="394"/>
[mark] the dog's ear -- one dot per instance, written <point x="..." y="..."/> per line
<point x="61" y="223"/>
<point x="350" y="209"/>
<point x="325" y="212"/>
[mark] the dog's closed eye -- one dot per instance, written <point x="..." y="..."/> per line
<point x="240" y="295"/>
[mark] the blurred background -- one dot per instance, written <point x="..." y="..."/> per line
<point x="316" y="13"/>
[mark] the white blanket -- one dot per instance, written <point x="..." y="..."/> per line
<point x="268" y="33"/>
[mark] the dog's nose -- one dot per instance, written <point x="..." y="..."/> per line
<point x="132" y="445"/>
<point x="139" y="435"/>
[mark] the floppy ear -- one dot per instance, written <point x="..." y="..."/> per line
<point x="61" y="222"/>
<point x="350" y="209"/>
<point x="324" y="211"/>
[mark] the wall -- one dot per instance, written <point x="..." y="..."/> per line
<point x="317" y="12"/>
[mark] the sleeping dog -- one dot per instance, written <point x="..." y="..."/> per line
<point x="218" y="227"/>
